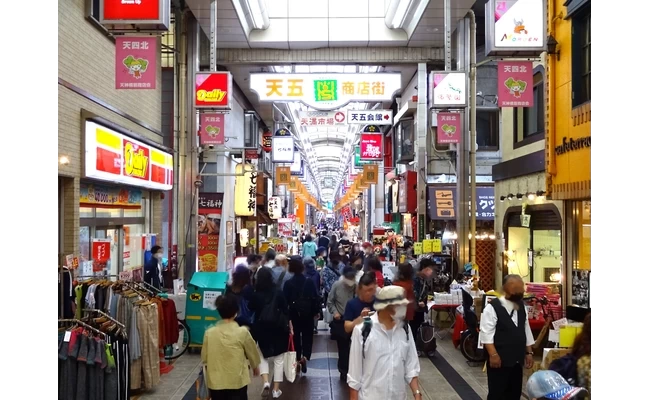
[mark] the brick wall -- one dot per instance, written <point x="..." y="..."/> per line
<point x="87" y="60"/>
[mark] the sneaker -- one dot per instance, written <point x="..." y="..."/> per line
<point x="277" y="394"/>
<point x="266" y="390"/>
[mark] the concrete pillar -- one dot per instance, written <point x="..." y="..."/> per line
<point x="422" y="132"/>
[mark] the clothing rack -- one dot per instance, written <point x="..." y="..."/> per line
<point x="96" y="276"/>
<point x="151" y="287"/>
<point x="93" y="310"/>
<point x="134" y="286"/>
<point x="85" y="325"/>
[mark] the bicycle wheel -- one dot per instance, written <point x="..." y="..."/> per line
<point x="180" y="347"/>
<point x="469" y="347"/>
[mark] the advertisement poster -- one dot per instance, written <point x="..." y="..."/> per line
<point x="101" y="254"/>
<point x="91" y="195"/>
<point x="136" y="61"/>
<point x="209" y="223"/>
<point x="515" y="83"/>
<point x="212" y="128"/>
<point x="450" y="127"/>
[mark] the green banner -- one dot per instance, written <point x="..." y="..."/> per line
<point x="358" y="162"/>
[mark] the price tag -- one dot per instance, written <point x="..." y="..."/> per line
<point x="67" y="336"/>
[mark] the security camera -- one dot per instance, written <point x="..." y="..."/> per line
<point x="198" y="183"/>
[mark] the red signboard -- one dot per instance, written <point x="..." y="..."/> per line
<point x="449" y="127"/>
<point x="251" y="155"/>
<point x="209" y="226"/>
<point x="212" y="128"/>
<point x="267" y="140"/>
<point x="101" y="254"/>
<point x="515" y="83"/>
<point x="213" y="90"/>
<point x="370" y="146"/>
<point x="130" y="10"/>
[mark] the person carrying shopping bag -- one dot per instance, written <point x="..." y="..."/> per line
<point x="271" y="329"/>
<point x="227" y="351"/>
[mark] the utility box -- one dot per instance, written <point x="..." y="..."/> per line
<point x="201" y="311"/>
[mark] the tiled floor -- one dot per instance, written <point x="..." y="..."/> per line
<point x="322" y="379"/>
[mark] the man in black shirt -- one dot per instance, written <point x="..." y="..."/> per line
<point x="507" y="339"/>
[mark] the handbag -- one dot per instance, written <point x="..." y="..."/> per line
<point x="426" y="339"/>
<point x="202" y="391"/>
<point x="290" y="362"/>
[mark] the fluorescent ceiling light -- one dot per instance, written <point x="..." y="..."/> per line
<point x="405" y="14"/>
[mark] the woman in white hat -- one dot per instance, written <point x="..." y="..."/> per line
<point x="383" y="355"/>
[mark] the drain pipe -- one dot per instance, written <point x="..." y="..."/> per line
<point x="472" y="130"/>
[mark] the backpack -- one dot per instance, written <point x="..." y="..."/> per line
<point x="245" y="316"/>
<point x="367" y="327"/>
<point x="270" y="315"/>
<point x="303" y="306"/>
<point x="567" y="366"/>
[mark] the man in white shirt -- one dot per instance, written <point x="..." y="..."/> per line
<point x="507" y="340"/>
<point x="385" y="361"/>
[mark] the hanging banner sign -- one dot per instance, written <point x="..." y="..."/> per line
<point x="91" y="195"/>
<point x="136" y="62"/>
<point x="144" y="14"/>
<point x="450" y="128"/>
<point x="358" y="162"/>
<point x="212" y="128"/>
<point x="213" y="90"/>
<point x="324" y="91"/>
<point x="321" y="118"/>
<point x="245" y="190"/>
<point x="101" y="254"/>
<point x="371" y="173"/>
<point x="113" y="157"/>
<point x="377" y="117"/>
<point x="370" y="145"/>
<point x="282" y="175"/>
<point x="282" y="147"/>
<point x="275" y="207"/>
<point x="449" y="89"/>
<point x="515" y="27"/>
<point x="515" y="83"/>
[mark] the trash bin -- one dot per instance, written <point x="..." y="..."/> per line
<point x="201" y="312"/>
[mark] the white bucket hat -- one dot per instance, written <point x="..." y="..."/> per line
<point x="390" y="296"/>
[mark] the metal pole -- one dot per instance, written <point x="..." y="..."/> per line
<point x="472" y="129"/>
<point x="213" y="35"/>
<point x="447" y="35"/>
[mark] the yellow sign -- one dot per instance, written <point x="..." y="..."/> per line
<point x="283" y="175"/>
<point x="437" y="246"/>
<point x="195" y="297"/>
<point x="371" y="173"/>
<point x="427" y="246"/>
<point x="245" y="190"/>
<point x="136" y="162"/>
<point x="417" y="248"/>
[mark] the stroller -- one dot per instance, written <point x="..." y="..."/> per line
<point x="469" y="339"/>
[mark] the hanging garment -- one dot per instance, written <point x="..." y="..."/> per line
<point x="111" y="385"/>
<point x="82" y="369"/>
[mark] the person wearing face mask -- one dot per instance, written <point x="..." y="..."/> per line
<point x="153" y="268"/>
<point x="342" y="292"/>
<point x="383" y="358"/>
<point x="507" y="340"/>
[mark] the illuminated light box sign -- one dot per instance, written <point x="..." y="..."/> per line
<point x="113" y="157"/>
<point x="134" y="15"/>
<point x="375" y="117"/>
<point x="213" y="90"/>
<point x="326" y="91"/>
<point x="515" y="27"/>
<point x="282" y="147"/>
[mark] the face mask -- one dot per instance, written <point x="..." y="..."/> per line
<point x="516" y="297"/>
<point x="349" y="282"/>
<point x="400" y="313"/>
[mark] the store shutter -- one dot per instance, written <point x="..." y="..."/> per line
<point x="540" y="220"/>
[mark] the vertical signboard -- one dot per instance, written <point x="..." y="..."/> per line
<point x="136" y="62"/>
<point x="211" y="128"/>
<point x="282" y="147"/>
<point x="449" y="89"/>
<point x="209" y="225"/>
<point x="282" y="175"/>
<point x="275" y="207"/>
<point x="245" y="190"/>
<point x="515" y="27"/>
<point x="515" y="83"/>
<point x="213" y="90"/>
<point x="370" y="146"/>
<point x="449" y="128"/>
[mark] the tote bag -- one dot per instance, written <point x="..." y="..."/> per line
<point x="202" y="391"/>
<point x="290" y="363"/>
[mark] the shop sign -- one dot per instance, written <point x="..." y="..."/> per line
<point x="285" y="226"/>
<point x="376" y="117"/>
<point x="282" y="147"/>
<point x="417" y="248"/>
<point x="358" y="162"/>
<point x="571" y="144"/>
<point x="450" y="127"/>
<point x="515" y="83"/>
<point x="282" y="175"/>
<point x="213" y="90"/>
<point x="323" y="91"/>
<point x="321" y="118"/>
<point x="297" y="167"/>
<point x="209" y="230"/>
<point x="144" y="14"/>
<point x="212" y="128"/>
<point x="370" y="146"/>
<point x="251" y="155"/>
<point x="99" y="196"/>
<point x="371" y="173"/>
<point x="402" y="203"/>
<point x="136" y="62"/>
<point x="245" y="191"/>
<point x="72" y="261"/>
<point x="275" y="207"/>
<point x="442" y="203"/>
<point x="515" y="26"/>
<point x="449" y="89"/>
<point x="113" y="157"/>
<point x="101" y="254"/>
<point x="267" y="141"/>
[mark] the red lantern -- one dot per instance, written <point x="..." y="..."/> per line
<point x="266" y="141"/>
